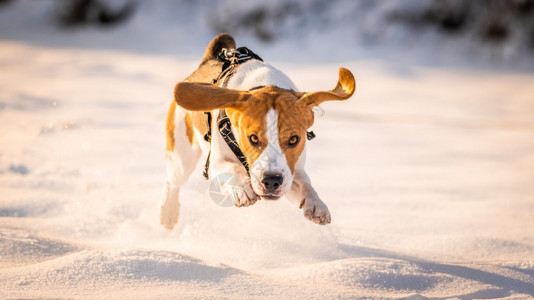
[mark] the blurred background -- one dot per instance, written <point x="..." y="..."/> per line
<point x="482" y="32"/>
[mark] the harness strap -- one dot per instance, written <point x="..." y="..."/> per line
<point x="225" y="128"/>
<point x="207" y="138"/>
<point x="207" y="135"/>
<point x="205" y="173"/>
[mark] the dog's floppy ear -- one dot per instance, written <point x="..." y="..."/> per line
<point x="346" y="85"/>
<point x="197" y="96"/>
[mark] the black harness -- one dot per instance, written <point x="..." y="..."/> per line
<point x="231" y="59"/>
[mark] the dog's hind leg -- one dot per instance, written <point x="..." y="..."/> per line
<point x="181" y="158"/>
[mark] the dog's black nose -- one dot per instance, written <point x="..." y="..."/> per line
<point x="271" y="181"/>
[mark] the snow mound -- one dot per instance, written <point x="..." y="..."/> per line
<point x="103" y="271"/>
<point x="117" y="266"/>
<point x="18" y="247"/>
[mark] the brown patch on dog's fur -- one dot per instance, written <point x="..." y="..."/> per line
<point x="189" y="128"/>
<point x="199" y="121"/>
<point x="294" y="118"/>
<point x="170" y="126"/>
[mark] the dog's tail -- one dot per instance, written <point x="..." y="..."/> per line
<point x="223" y="40"/>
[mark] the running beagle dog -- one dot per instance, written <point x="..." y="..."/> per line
<point x="250" y="120"/>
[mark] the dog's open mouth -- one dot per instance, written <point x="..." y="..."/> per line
<point x="270" y="197"/>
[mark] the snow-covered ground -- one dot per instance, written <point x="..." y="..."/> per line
<point x="428" y="172"/>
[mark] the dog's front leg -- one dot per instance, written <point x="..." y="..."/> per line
<point x="304" y="195"/>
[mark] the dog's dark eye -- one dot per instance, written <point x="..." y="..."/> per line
<point x="293" y="141"/>
<point x="254" y="140"/>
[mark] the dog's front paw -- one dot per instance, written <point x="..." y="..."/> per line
<point x="234" y="189"/>
<point x="315" y="210"/>
<point x="244" y="196"/>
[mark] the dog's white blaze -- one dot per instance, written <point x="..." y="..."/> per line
<point x="272" y="159"/>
